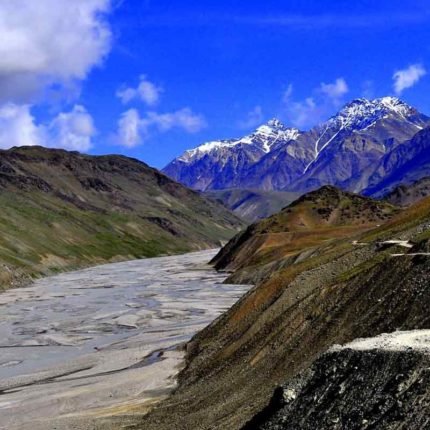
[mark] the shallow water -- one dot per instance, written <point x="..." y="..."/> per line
<point x="102" y="340"/>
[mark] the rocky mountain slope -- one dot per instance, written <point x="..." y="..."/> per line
<point x="406" y="164"/>
<point x="380" y="382"/>
<point x="358" y="285"/>
<point x="252" y="205"/>
<point x="63" y="210"/>
<point x="347" y="151"/>
<point x="406" y="195"/>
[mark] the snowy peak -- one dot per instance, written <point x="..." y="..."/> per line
<point x="264" y="138"/>
<point x="361" y="113"/>
<point x="348" y="150"/>
<point x="274" y="122"/>
<point x="272" y="133"/>
<point x="396" y="105"/>
<point x="274" y="126"/>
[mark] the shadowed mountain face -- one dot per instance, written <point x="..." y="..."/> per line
<point x="406" y="195"/>
<point x="350" y="151"/>
<point x="252" y="205"/>
<point x="62" y="210"/>
<point x="328" y="292"/>
<point x="406" y="164"/>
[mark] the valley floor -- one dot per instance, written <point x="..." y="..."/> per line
<point x="102" y="342"/>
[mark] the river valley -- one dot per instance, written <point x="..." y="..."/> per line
<point x="103" y="341"/>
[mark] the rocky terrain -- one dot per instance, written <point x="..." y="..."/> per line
<point x="362" y="284"/>
<point x="356" y="149"/>
<point x="380" y="382"/>
<point x="63" y="210"/>
<point x="331" y="267"/>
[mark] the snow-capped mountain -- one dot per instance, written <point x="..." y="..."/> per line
<point x="352" y="142"/>
<point x="220" y="164"/>
<point x="265" y="138"/>
<point x="362" y="114"/>
<point x="344" y="151"/>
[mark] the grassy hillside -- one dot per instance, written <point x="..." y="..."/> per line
<point x="348" y="287"/>
<point x="63" y="210"/>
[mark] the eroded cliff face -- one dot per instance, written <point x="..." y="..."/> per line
<point x="377" y="383"/>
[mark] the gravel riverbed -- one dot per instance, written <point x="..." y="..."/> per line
<point x="103" y="341"/>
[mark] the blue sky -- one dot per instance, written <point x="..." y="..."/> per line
<point x="207" y="70"/>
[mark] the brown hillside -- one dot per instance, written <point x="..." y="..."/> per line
<point x="347" y="288"/>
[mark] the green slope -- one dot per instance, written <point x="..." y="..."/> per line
<point x="63" y="210"/>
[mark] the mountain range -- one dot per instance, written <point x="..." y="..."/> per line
<point x="369" y="146"/>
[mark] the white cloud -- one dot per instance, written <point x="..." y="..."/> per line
<point x="287" y="93"/>
<point x="305" y="112"/>
<point x="146" y="91"/>
<point x="49" y="43"/>
<point x="69" y="130"/>
<point x="17" y="127"/>
<point x="254" y="118"/>
<point x="72" y="130"/>
<point x="184" y="119"/>
<point x="335" y="90"/>
<point x="134" y="129"/>
<point x="407" y="78"/>
<point x="129" y="129"/>
<point x="368" y="89"/>
<point x="313" y="22"/>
